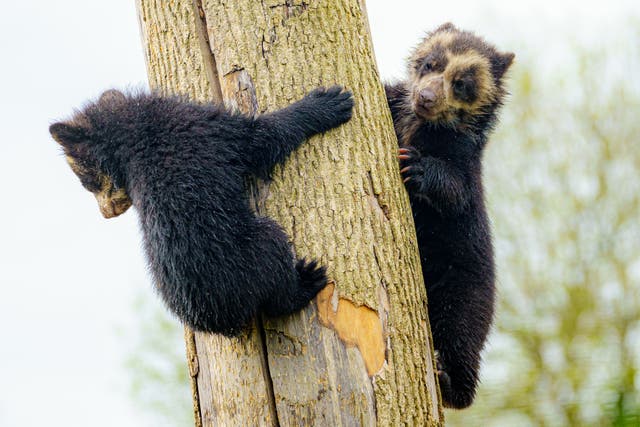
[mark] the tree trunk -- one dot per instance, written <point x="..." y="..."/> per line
<point x="360" y="355"/>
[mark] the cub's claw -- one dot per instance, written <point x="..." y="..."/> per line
<point x="405" y="171"/>
<point x="408" y="156"/>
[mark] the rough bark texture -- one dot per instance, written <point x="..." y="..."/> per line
<point x="359" y="356"/>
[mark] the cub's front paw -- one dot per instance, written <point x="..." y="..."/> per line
<point x="331" y="107"/>
<point x="412" y="169"/>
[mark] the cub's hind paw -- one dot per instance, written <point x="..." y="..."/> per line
<point x="444" y="381"/>
<point x="457" y="396"/>
<point x="313" y="277"/>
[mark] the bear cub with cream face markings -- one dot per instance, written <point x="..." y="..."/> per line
<point x="443" y="114"/>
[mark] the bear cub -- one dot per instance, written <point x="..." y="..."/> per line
<point x="443" y="113"/>
<point x="182" y="165"/>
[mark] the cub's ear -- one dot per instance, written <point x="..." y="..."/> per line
<point x="502" y="63"/>
<point x="112" y="95"/>
<point x="447" y="26"/>
<point x="66" y="134"/>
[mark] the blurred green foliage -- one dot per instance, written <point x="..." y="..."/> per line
<point x="563" y="188"/>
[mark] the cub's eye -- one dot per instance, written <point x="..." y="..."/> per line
<point x="459" y="87"/>
<point x="424" y="67"/>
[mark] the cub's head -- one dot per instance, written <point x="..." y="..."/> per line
<point x="455" y="78"/>
<point x="79" y="142"/>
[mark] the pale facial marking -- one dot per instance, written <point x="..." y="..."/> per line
<point x="75" y="167"/>
<point x="482" y="78"/>
<point x="443" y="39"/>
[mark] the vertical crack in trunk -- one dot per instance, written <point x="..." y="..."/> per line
<point x="194" y="369"/>
<point x="253" y="187"/>
<point x="209" y="59"/>
<point x="267" y="372"/>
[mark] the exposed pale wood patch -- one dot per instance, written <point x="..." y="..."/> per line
<point x="357" y="326"/>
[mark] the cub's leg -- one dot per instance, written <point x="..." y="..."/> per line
<point x="287" y="284"/>
<point x="277" y="134"/>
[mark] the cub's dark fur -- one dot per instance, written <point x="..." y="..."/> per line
<point x="182" y="165"/>
<point x="443" y="114"/>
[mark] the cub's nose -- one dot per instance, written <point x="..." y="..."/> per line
<point x="427" y="98"/>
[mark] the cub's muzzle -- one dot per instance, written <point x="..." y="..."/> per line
<point x="113" y="202"/>
<point x="429" y="97"/>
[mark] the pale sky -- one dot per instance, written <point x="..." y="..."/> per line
<point x="68" y="276"/>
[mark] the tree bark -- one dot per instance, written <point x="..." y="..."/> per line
<point x="361" y="355"/>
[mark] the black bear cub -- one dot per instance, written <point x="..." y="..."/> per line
<point x="182" y="165"/>
<point x="443" y="114"/>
